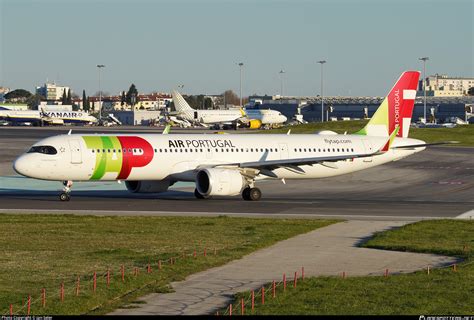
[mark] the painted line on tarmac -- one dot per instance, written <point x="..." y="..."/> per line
<point x="468" y="215"/>
<point x="208" y="213"/>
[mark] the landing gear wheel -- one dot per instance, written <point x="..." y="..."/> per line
<point x="255" y="194"/>
<point x="198" y="195"/>
<point x="246" y="194"/>
<point x="64" y="196"/>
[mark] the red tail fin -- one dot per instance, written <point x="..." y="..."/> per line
<point x="401" y="100"/>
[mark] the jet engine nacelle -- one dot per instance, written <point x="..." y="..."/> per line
<point x="219" y="182"/>
<point x="255" y="124"/>
<point x="154" y="186"/>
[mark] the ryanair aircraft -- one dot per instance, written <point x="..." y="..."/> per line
<point x="39" y="117"/>
<point x="226" y="165"/>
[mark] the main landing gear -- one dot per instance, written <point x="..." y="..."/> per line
<point x="251" y="194"/>
<point x="64" y="196"/>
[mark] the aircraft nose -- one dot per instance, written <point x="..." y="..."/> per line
<point x="21" y="165"/>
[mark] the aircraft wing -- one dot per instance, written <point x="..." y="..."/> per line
<point x="266" y="167"/>
<point x="273" y="164"/>
<point x="413" y="146"/>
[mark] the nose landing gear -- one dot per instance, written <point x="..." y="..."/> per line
<point x="64" y="196"/>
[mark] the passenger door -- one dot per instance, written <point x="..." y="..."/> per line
<point x="76" y="156"/>
<point x="283" y="148"/>
<point x="368" y="149"/>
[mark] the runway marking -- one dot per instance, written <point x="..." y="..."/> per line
<point x="208" y="213"/>
<point x="468" y="215"/>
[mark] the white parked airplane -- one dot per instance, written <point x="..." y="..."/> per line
<point x="49" y="117"/>
<point x="226" y="165"/>
<point x="254" y="118"/>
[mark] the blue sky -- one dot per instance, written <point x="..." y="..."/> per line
<point x="160" y="44"/>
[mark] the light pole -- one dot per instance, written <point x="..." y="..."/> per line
<point x="100" y="66"/>
<point x="281" y="83"/>
<point x="424" y="59"/>
<point x="240" y="65"/>
<point x="322" y="62"/>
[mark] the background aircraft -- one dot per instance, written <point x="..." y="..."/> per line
<point x="40" y="117"/>
<point x="253" y="119"/>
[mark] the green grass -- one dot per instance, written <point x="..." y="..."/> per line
<point x="443" y="291"/>
<point x="41" y="251"/>
<point x="464" y="134"/>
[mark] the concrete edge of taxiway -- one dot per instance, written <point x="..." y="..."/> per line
<point x="216" y="214"/>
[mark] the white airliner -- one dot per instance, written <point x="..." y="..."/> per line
<point x="48" y="117"/>
<point x="226" y="165"/>
<point x="253" y="118"/>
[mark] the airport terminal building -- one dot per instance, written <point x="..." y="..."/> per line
<point x="344" y="108"/>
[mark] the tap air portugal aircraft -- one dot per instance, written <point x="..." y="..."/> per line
<point x="226" y="165"/>
<point x="253" y="118"/>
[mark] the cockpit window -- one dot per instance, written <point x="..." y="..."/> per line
<point x="43" y="149"/>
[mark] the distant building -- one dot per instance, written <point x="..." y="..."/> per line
<point x="138" y="117"/>
<point x="359" y="107"/>
<point x="150" y="102"/>
<point x="444" y="86"/>
<point x="3" y="91"/>
<point x="51" y="91"/>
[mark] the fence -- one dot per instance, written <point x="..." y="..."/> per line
<point x="274" y="287"/>
<point x="80" y="284"/>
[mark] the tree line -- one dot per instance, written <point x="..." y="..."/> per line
<point x="130" y="98"/>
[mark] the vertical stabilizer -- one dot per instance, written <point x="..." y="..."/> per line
<point x="396" y="109"/>
<point x="181" y="105"/>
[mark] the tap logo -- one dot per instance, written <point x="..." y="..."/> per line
<point x="118" y="155"/>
